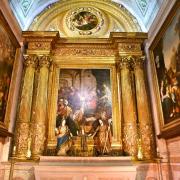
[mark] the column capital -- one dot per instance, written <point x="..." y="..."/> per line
<point x="139" y="61"/>
<point x="126" y="62"/>
<point x="30" y="60"/>
<point x="44" y="60"/>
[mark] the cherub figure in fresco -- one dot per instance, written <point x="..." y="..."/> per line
<point x="63" y="138"/>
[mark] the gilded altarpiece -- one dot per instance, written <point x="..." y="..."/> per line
<point x="67" y="80"/>
<point x="88" y="61"/>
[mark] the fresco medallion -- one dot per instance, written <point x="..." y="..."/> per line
<point x="84" y="20"/>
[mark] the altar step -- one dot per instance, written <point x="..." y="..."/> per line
<point x="85" y="168"/>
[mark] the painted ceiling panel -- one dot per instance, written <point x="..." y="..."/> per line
<point x="143" y="10"/>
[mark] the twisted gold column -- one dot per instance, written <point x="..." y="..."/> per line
<point x="39" y="126"/>
<point x="23" y="119"/>
<point x="129" y="109"/>
<point x="145" y="122"/>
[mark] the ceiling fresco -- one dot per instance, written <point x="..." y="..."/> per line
<point x="143" y="10"/>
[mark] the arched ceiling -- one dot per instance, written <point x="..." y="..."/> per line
<point x="143" y="10"/>
<point x="81" y="18"/>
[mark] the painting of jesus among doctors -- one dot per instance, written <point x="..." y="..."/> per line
<point x="84" y="113"/>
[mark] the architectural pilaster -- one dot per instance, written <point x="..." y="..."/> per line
<point x="144" y="117"/>
<point x="40" y="113"/>
<point x="24" y="114"/>
<point x="129" y="109"/>
<point x="52" y="107"/>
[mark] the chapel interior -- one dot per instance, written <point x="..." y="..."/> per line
<point x="90" y="90"/>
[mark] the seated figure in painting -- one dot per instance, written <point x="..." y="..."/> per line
<point x="102" y="135"/>
<point x="63" y="138"/>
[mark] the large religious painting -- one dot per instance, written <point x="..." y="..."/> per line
<point x="7" y="56"/>
<point x="84" y="112"/>
<point x="167" y="63"/>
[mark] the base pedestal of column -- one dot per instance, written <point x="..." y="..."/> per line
<point x="20" y="157"/>
<point x="35" y="157"/>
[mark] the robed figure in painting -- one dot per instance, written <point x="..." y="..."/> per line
<point x="64" y="111"/>
<point x="63" y="138"/>
<point x="102" y="135"/>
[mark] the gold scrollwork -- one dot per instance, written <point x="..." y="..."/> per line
<point x="38" y="137"/>
<point x="124" y="47"/>
<point x="22" y="139"/>
<point x="147" y="140"/>
<point x="39" y="45"/>
<point x="139" y="62"/>
<point x="30" y="60"/>
<point x="130" y="139"/>
<point x="84" y="52"/>
<point x="126" y="61"/>
<point x="44" y="61"/>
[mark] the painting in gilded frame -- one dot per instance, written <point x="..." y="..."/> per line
<point x="7" y="57"/>
<point x="85" y="103"/>
<point x="167" y="61"/>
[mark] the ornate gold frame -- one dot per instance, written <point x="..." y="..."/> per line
<point x="4" y="126"/>
<point x="80" y="62"/>
<point x="173" y="128"/>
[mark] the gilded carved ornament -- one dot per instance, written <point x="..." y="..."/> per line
<point x="44" y="61"/>
<point x="84" y="52"/>
<point x="126" y="62"/>
<point x="21" y="139"/>
<point x="39" y="138"/>
<point x="139" y="61"/>
<point x="130" y="139"/>
<point x="147" y="141"/>
<point x="39" y="45"/>
<point x="34" y="60"/>
<point x="132" y="61"/>
<point x="30" y="60"/>
<point x="125" y="47"/>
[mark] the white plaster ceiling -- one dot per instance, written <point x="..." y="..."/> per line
<point x="144" y="10"/>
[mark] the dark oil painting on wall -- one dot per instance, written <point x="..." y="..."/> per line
<point x="84" y="108"/>
<point x="167" y="61"/>
<point x="7" y="55"/>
